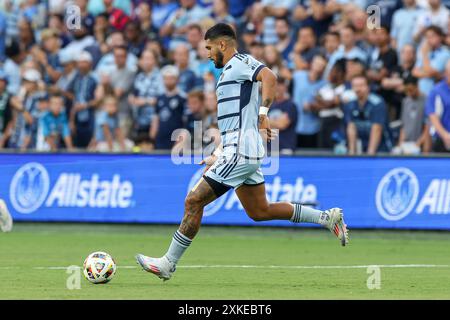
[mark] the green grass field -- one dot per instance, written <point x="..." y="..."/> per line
<point x="213" y="268"/>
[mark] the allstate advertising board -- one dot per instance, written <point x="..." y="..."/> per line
<point x="409" y="193"/>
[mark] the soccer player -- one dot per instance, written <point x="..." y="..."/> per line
<point x="236" y="163"/>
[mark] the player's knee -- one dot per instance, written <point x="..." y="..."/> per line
<point x="258" y="214"/>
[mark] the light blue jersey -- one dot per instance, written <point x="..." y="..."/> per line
<point x="238" y="106"/>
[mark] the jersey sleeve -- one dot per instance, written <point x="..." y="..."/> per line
<point x="247" y="68"/>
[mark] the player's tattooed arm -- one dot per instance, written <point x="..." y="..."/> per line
<point x="200" y="196"/>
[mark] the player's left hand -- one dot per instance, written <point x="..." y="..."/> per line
<point x="264" y="128"/>
<point x="209" y="161"/>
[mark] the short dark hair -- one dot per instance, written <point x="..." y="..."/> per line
<point x="220" y="30"/>
<point x="437" y="30"/>
<point x="56" y="95"/>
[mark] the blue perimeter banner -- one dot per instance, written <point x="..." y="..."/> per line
<point x="411" y="193"/>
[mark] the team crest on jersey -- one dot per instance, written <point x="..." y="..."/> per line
<point x="173" y="103"/>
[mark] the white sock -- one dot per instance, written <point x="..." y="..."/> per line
<point x="305" y="214"/>
<point x="177" y="247"/>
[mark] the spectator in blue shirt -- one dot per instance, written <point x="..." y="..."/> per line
<point x="305" y="87"/>
<point x="438" y="110"/>
<point x="162" y="10"/>
<point x="54" y="125"/>
<point x="403" y="24"/>
<point x="30" y="103"/>
<point x="366" y="120"/>
<point x="286" y="41"/>
<point x="348" y="48"/>
<point x="170" y="109"/>
<point x="148" y="85"/>
<point x="108" y="134"/>
<point x="187" y="79"/>
<point x="48" y="55"/>
<point x="305" y="49"/>
<point x="283" y="116"/>
<point x="431" y="58"/>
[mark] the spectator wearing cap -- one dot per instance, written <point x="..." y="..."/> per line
<point x="47" y="55"/>
<point x="314" y="14"/>
<point x="347" y="49"/>
<point x="269" y="10"/>
<point x="305" y="49"/>
<point x="82" y="114"/>
<point x="438" y="111"/>
<point x="187" y="80"/>
<point x="414" y="134"/>
<point x="29" y="105"/>
<point x="283" y="117"/>
<point x="54" y="126"/>
<point x="177" y="24"/>
<point x="431" y="58"/>
<point x="435" y="15"/>
<point x="286" y="41"/>
<point x="248" y="36"/>
<point x="148" y="85"/>
<point x="64" y="83"/>
<point x="170" y="108"/>
<point x="366" y="120"/>
<point x="403" y="24"/>
<point x="305" y="87"/>
<point x="6" y="122"/>
<point x="220" y="12"/>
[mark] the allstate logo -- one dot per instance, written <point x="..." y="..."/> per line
<point x="214" y="206"/>
<point x="29" y="187"/>
<point x="397" y="194"/>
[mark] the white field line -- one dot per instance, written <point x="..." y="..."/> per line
<point x="275" y="267"/>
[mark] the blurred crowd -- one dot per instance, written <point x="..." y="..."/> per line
<point x="354" y="76"/>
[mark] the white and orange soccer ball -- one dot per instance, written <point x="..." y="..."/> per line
<point x="99" y="267"/>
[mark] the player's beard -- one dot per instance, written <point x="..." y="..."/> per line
<point x="219" y="60"/>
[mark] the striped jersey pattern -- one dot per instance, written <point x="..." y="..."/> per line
<point x="238" y="106"/>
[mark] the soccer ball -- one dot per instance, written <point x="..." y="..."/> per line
<point x="99" y="267"/>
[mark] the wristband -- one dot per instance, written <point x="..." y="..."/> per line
<point x="263" y="110"/>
